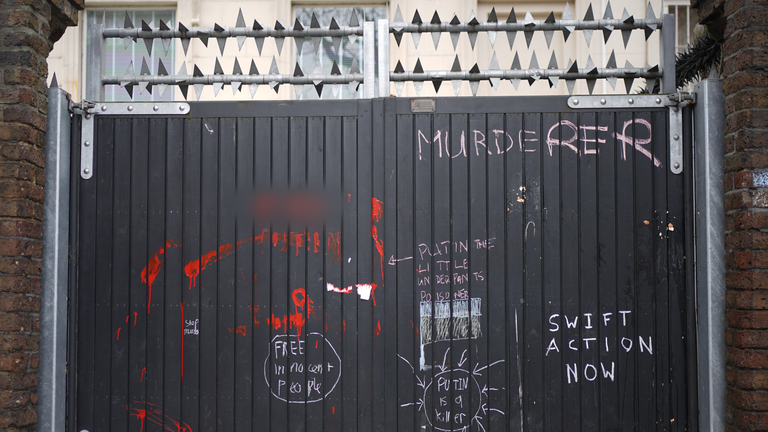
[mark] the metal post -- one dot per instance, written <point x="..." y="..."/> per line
<point x="94" y="64"/>
<point x="382" y="36"/>
<point x="709" y="145"/>
<point x="369" y="59"/>
<point x="667" y="42"/>
<point x="53" y="310"/>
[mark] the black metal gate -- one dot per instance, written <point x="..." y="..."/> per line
<point x="395" y="264"/>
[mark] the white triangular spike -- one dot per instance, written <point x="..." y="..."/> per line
<point x="528" y="18"/>
<point x="279" y="43"/>
<point x="436" y="38"/>
<point x="353" y="22"/>
<point x="534" y="61"/>
<point x="273" y="67"/>
<point x="568" y="15"/>
<point x="253" y="88"/>
<point x="492" y="38"/>
<point x="417" y="85"/>
<point x="259" y="43"/>
<point x="494" y="66"/>
<point x="399" y="87"/>
<point x="511" y="38"/>
<point x="515" y="83"/>
<point x="336" y="44"/>
<point x="335" y="90"/>
<point x="316" y="44"/>
<point x="161" y="88"/>
<point x="317" y="71"/>
<point x="587" y="36"/>
<point x="472" y="39"/>
<point x="455" y="39"/>
<point x="590" y="63"/>
<point x="398" y="18"/>
<point x="166" y="45"/>
<point x="553" y="80"/>
<point x="217" y="88"/>
<point x="608" y="15"/>
<point x="570" y="84"/>
<point x="298" y="89"/>
<point x="236" y="86"/>
<point x="456" y="86"/>
<point x="625" y="34"/>
<point x="299" y="44"/>
<point x="473" y="85"/>
<point x="130" y="71"/>
<point x="416" y="37"/>
<point x="199" y="90"/>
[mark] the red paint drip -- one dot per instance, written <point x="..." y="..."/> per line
<point x="297" y="240"/>
<point x="140" y="414"/>
<point x="239" y="330"/>
<point x="149" y="273"/>
<point x="126" y="319"/>
<point x="193" y="268"/>
<point x="135" y="315"/>
<point x="317" y="241"/>
<point x="377" y="211"/>
<point x="143" y="372"/>
<point x="378" y="328"/>
<point x="117" y="334"/>
<point x="333" y="410"/>
<point x="182" y="340"/>
<point x="349" y="197"/>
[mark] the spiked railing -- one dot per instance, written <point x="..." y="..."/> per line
<point x="95" y="81"/>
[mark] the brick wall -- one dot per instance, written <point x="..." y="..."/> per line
<point x="742" y="26"/>
<point x="28" y="29"/>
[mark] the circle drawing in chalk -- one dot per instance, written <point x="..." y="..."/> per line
<point x="449" y="400"/>
<point x="301" y="371"/>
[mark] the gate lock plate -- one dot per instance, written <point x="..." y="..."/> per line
<point x="91" y="110"/>
<point x="672" y="101"/>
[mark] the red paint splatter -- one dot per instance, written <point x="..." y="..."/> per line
<point x="126" y="319"/>
<point x="239" y="330"/>
<point x="182" y="340"/>
<point x="297" y="239"/>
<point x="334" y="247"/>
<point x="344" y="325"/>
<point x="193" y="268"/>
<point x="149" y="273"/>
<point x="140" y="414"/>
<point x="333" y="410"/>
<point x="143" y="372"/>
<point x="298" y="320"/>
<point x="378" y="328"/>
<point x="349" y="197"/>
<point x="156" y="415"/>
<point x="377" y="211"/>
<point x="315" y="344"/>
<point x="135" y="315"/>
<point x="117" y="334"/>
<point x="317" y="241"/>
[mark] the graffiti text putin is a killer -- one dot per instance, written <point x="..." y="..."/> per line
<point x="582" y="140"/>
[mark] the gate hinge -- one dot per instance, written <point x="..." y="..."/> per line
<point x="89" y="110"/>
<point x="673" y="102"/>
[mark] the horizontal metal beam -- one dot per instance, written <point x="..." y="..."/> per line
<point x="523" y="74"/>
<point x="569" y="25"/>
<point x="209" y="32"/>
<point x="228" y="79"/>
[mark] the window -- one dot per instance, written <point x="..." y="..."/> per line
<point x="348" y="52"/>
<point x="119" y="57"/>
<point x="685" y="20"/>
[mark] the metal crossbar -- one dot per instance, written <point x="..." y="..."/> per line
<point x="371" y="71"/>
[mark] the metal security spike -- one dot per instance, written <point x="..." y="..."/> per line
<point x="591" y="69"/>
<point x="473" y="19"/>
<point x="416" y="37"/>
<point x="475" y="69"/>
<point x="353" y="22"/>
<point x="435" y="19"/>
<point x="651" y="82"/>
<point x="510" y="34"/>
<point x="298" y="40"/>
<point x="128" y="24"/>
<point x="259" y="43"/>
<point x="203" y="36"/>
<point x="297" y="25"/>
<point x="182" y="73"/>
<point x="515" y="66"/>
<point x="218" y="28"/>
<point x="336" y="44"/>
<point x="548" y="33"/>
<point x="128" y="72"/>
<point x="335" y="69"/>
<point x="418" y="68"/>
<point x="611" y="65"/>
<point x="472" y="38"/>
<point x="129" y="88"/>
<point x="456" y="65"/>
<point x="217" y="70"/>
<point x="567" y="15"/>
<point x="399" y="67"/>
<point x="274" y="71"/>
<point x="492" y="18"/>
<point x="627" y="19"/>
<point x="436" y="38"/>
<point x="297" y="71"/>
<point x="54" y="82"/>
<point x="253" y="71"/>
<point x="236" y="85"/>
<point x="528" y="22"/>
<point x="533" y="66"/>
<point x="334" y="25"/>
<point x="399" y="87"/>
<point x="319" y="89"/>
<point x="417" y="86"/>
<point x="573" y="66"/>
<point x="608" y="15"/>
<point x="354" y="69"/>
<point x="318" y="71"/>
<point x="184" y="40"/>
<point x="436" y="83"/>
<point x="165" y="41"/>
<point x="456" y="87"/>
<point x="570" y="83"/>
<point x="553" y="80"/>
<point x="257" y="26"/>
<point x="221" y="41"/>
<point x="417" y="18"/>
<point x="240" y="23"/>
<point x="591" y="85"/>
<point x="316" y="40"/>
<point x="628" y="81"/>
<point x="147" y="41"/>
<point x="279" y="44"/>
<point x="398" y="19"/>
<point x="198" y="87"/>
<point x="473" y="85"/>
<point x="144" y="85"/>
<point x="589" y="16"/>
<point x="494" y="66"/>
<point x="335" y="90"/>
<point x="649" y="15"/>
<point x="161" y="70"/>
<point x="298" y="89"/>
<point x="455" y="35"/>
<point x="314" y="23"/>
<point x="398" y="36"/>
<point x="279" y="26"/>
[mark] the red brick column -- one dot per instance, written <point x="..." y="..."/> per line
<point x="28" y="29"/>
<point x="742" y="25"/>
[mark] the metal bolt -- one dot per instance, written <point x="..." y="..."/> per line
<point x="631" y="101"/>
<point x="658" y="101"/>
<point x="87" y="143"/>
<point x="103" y="107"/>
<point x="88" y="116"/>
<point x="575" y="101"/>
<point x="86" y="171"/>
<point x="602" y="101"/>
<point x="181" y="108"/>
<point x="675" y="109"/>
<point x="677" y="165"/>
<point x="675" y="137"/>
<point x="156" y="108"/>
<point x="130" y="107"/>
